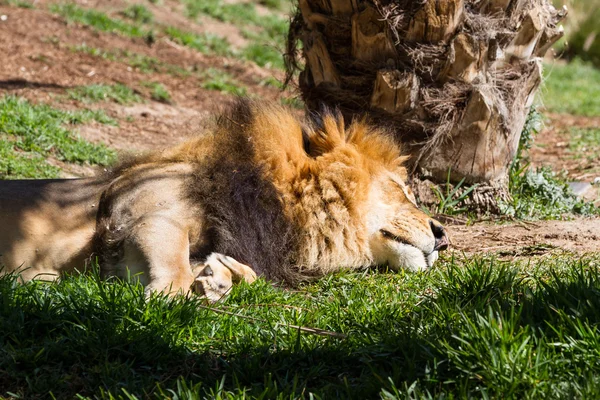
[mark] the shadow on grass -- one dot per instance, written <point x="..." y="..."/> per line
<point x="483" y="330"/>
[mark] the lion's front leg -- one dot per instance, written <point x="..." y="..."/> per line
<point x="217" y="274"/>
<point x="157" y="252"/>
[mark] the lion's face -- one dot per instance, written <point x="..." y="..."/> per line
<point x="400" y="234"/>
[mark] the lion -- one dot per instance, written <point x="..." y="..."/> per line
<point x="260" y="193"/>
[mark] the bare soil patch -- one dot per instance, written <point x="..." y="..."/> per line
<point x="526" y="239"/>
<point x="552" y="147"/>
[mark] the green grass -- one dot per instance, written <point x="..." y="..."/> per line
<point x="141" y="62"/>
<point x="35" y="132"/>
<point x="139" y="13"/>
<point x="15" y="164"/>
<point x="573" y="88"/>
<point x="585" y="141"/>
<point x="97" y="20"/>
<point x="118" y="93"/>
<point x="543" y="194"/>
<point x="267" y="33"/>
<point x="21" y="3"/>
<point x="215" y="79"/>
<point x="95" y="52"/>
<point x="263" y="54"/>
<point x="479" y="328"/>
<point x="539" y="193"/>
<point x="158" y="92"/>
<point x="204" y="43"/>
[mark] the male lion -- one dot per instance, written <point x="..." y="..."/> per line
<point x="261" y="193"/>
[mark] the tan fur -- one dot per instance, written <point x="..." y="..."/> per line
<point x="47" y="225"/>
<point x="343" y="188"/>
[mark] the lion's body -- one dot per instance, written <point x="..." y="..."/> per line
<point x="289" y="199"/>
<point x="47" y="225"/>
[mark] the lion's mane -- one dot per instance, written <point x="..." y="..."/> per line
<point x="283" y="195"/>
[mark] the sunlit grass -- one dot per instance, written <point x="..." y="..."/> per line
<point x="30" y="133"/>
<point x="572" y="88"/>
<point x="118" y="93"/>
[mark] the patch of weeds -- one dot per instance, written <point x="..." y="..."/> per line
<point x="216" y="79"/>
<point x="141" y="62"/>
<point x="270" y="28"/>
<point x="267" y="43"/>
<point x="83" y="116"/>
<point x="451" y="197"/>
<point x="204" y="43"/>
<point x="147" y="64"/>
<point x="16" y="164"/>
<point x="573" y="88"/>
<point x="217" y="9"/>
<point x="139" y="13"/>
<point x="586" y="142"/>
<point x="40" y="130"/>
<point x="158" y="92"/>
<point x="238" y="13"/>
<point x="539" y="193"/>
<point x="97" y="20"/>
<point x="21" y="3"/>
<point x="99" y="92"/>
<point x="264" y="55"/>
<point x="94" y="51"/>
<point x="266" y="32"/>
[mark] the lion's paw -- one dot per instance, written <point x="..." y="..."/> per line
<point x="217" y="274"/>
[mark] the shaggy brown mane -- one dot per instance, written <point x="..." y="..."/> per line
<point x="281" y="194"/>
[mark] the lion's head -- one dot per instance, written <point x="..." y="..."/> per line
<point x="400" y="235"/>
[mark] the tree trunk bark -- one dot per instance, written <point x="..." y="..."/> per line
<point x="455" y="78"/>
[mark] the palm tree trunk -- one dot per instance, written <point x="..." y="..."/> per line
<point x="454" y="78"/>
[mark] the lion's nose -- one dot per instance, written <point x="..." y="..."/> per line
<point x="439" y="233"/>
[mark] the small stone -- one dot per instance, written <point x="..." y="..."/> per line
<point x="580" y="188"/>
<point x="596" y="181"/>
<point x="3" y="17"/>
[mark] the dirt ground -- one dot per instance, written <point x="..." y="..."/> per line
<point x="523" y="239"/>
<point x="39" y="63"/>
